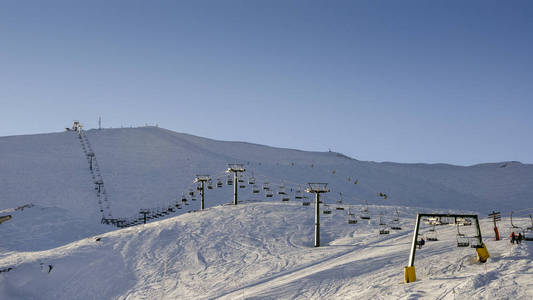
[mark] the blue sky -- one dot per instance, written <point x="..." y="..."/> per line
<point x="404" y="81"/>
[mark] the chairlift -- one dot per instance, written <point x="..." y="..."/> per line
<point x="255" y="189"/>
<point x="381" y="220"/>
<point x="191" y="192"/>
<point x="475" y="243"/>
<point x="384" y="231"/>
<point x="251" y="180"/>
<point x="183" y="199"/>
<point x="241" y="179"/>
<point x="298" y="194"/>
<point x="242" y="186"/>
<point x="463" y="221"/>
<point x="219" y="183"/>
<point x="209" y="184"/>
<point x="462" y="240"/>
<point x="397" y="218"/>
<point x="281" y="190"/>
<point x="352" y="221"/>
<point x="431" y="235"/>
<point x="193" y="198"/>
<point x="327" y="210"/>
<point x="364" y="216"/>
<point x="285" y="198"/>
<point x="229" y="180"/>
<point x="339" y="208"/>
<point x="394" y="227"/>
<point x="269" y="194"/>
<point x="306" y="203"/>
<point x="266" y="186"/>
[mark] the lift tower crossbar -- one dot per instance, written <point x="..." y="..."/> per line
<point x="235" y="168"/>
<point x="317" y="188"/>
<point x="202" y="179"/>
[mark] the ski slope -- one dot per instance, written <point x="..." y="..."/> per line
<point x="57" y="247"/>
<point x="263" y="250"/>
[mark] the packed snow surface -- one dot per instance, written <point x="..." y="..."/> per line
<point x="265" y="251"/>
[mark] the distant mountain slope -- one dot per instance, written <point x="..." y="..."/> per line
<point x="149" y="166"/>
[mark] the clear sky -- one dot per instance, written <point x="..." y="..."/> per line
<point x="404" y="81"/>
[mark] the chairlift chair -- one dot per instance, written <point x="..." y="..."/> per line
<point x="241" y="179"/>
<point x="339" y="208"/>
<point x="255" y="189"/>
<point x="352" y="221"/>
<point x="242" y="186"/>
<point x="209" y="184"/>
<point x="229" y="180"/>
<point x="384" y="231"/>
<point x="306" y="203"/>
<point x="474" y="242"/>
<point x="269" y="194"/>
<point x="462" y="240"/>
<point x="251" y="180"/>
<point x="285" y="198"/>
<point x="364" y="216"/>
<point x="431" y="235"/>
<point x="266" y="186"/>
<point x="281" y="190"/>
<point x="298" y="194"/>
<point x="219" y="183"/>
<point x="191" y="192"/>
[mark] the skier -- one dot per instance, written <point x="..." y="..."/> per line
<point x="421" y="243"/>
<point x="512" y="237"/>
<point x="519" y="239"/>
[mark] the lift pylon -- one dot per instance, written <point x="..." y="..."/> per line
<point x="317" y="189"/>
<point x="481" y="249"/>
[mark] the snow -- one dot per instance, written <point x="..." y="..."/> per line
<point x="264" y="250"/>
<point x="257" y="249"/>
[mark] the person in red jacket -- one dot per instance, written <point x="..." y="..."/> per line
<point x="512" y="237"/>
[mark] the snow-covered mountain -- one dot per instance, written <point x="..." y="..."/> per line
<point x="58" y="249"/>
<point x="149" y="166"/>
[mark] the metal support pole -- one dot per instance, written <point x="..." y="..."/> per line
<point x="317" y="220"/>
<point x="478" y="231"/>
<point x="414" y="242"/>
<point x="235" y="183"/>
<point x="202" y="195"/>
